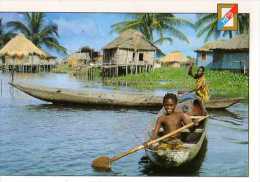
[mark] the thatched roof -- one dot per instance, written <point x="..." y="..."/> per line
<point x="20" y="46"/>
<point x="209" y="46"/>
<point x="240" y="42"/>
<point x="175" y="56"/>
<point x="78" y="56"/>
<point x="131" y="39"/>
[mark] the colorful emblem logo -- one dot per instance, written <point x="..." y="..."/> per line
<point x="227" y="17"/>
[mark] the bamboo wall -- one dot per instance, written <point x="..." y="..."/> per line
<point x="128" y="57"/>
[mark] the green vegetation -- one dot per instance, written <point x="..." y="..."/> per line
<point x="207" y="25"/>
<point x="87" y="73"/>
<point x="62" y="68"/>
<point x="35" y="28"/>
<point x="5" y="35"/>
<point x="221" y="83"/>
<point x="166" y="25"/>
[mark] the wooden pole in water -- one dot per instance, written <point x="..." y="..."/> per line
<point x="1" y="87"/>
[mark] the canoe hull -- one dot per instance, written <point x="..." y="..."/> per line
<point x="116" y="98"/>
<point x="176" y="158"/>
<point x="89" y="98"/>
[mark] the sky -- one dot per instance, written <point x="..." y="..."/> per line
<point x="94" y="30"/>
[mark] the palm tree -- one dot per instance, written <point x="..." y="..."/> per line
<point x="151" y="24"/>
<point x="243" y="22"/>
<point x="207" y="25"/>
<point x="40" y="33"/>
<point x="5" y="36"/>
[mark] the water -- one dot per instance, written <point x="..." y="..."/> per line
<point x="38" y="138"/>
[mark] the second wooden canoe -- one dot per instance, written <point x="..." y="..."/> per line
<point x="115" y="98"/>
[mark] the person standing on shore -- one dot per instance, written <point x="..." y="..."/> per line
<point x="12" y="74"/>
<point x="201" y="89"/>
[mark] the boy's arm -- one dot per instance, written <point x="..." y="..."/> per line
<point x="157" y="128"/>
<point x="186" y="119"/>
<point x="190" y="71"/>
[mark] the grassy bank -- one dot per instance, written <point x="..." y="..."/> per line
<point x="221" y="83"/>
<point x="62" y="68"/>
<point x="82" y="72"/>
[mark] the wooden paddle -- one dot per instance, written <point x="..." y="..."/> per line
<point x="105" y="163"/>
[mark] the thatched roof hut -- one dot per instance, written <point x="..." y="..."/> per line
<point x="20" y="46"/>
<point x="209" y="46"/>
<point x="131" y="39"/>
<point x="130" y="47"/>
<point x="240" y="42"/>
<point x="23" y="56"/>
<point x="232" y="54"/>
<point x="174" y="57"/>
<point x="77" y="59"/>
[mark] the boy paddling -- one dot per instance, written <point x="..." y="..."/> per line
<point x="172" y="120"/>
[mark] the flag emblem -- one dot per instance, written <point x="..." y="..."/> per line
<point x="227" y="17"/>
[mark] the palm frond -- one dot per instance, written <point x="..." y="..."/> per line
<point x="16" y="25"/>
<point x="179" y="35"/>
<point x="205" y="19"/>
<point x="211" y="31"/>
<point x="38" y="31"/>
<point x="53" y="43"/>
<point x="48" y="30"/>
<point x="181" y="22"/>
<point x="122" y="26"/>
<point x="151" y="24"/>
<point x="162" y="40"/>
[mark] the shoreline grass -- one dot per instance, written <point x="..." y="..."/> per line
<point x="224" y="84"/>
<point x="62" y="68"/>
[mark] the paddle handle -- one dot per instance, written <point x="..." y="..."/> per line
<point x="140" y="147"/>
<point x="123" y="154"/>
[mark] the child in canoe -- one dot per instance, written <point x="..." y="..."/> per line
<point x="174" y="117"/>
<point x="172" y="120"/>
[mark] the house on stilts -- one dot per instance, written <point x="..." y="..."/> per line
<point x="21" y="55"/>
<point x="129" y="53"/>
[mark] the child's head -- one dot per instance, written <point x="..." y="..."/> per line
<point x="197" y="108"/>
<point x="169" y="102"/>
<point x="200" y="71"/>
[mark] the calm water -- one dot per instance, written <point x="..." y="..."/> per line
<point x="38" y="138"/>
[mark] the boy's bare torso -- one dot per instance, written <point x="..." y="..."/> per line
<point x="172" y="122"/>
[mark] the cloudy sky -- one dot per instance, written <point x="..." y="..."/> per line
<point x="94" y="30"/>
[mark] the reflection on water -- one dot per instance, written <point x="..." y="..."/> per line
<point x="39" y="138"/>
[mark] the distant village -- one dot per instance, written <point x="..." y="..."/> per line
<point x="129" y="53"/>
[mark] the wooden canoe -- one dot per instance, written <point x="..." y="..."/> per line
<point x="221" y="103"/>
<point x="89" y="98"/>
<point x="115" y="98"/>
<point x="186" y="152"/>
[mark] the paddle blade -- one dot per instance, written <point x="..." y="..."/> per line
<point x="102" y="163"/>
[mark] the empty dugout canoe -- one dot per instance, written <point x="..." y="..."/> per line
<point x="115" y="98"/>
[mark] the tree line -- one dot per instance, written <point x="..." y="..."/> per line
<point x="156" y="27"/>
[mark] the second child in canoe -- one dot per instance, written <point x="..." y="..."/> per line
<point x="201" y="89"/>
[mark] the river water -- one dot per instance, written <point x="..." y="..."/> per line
<point x="39" y="138"/>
